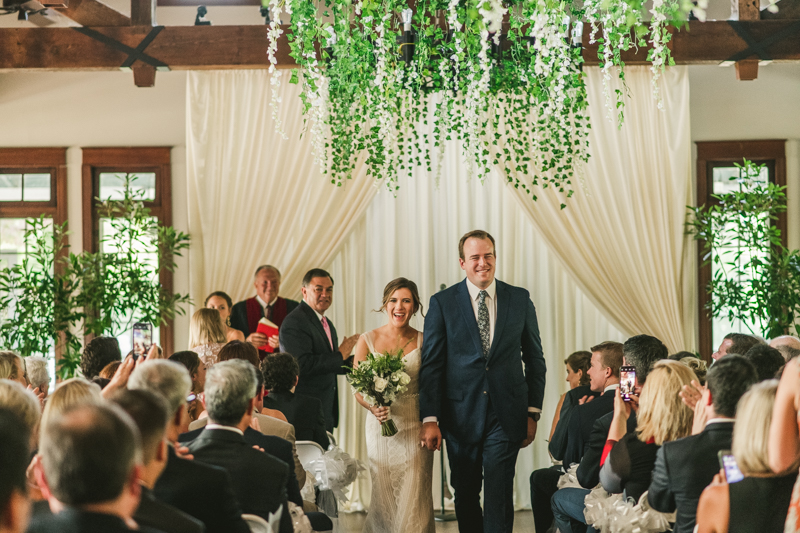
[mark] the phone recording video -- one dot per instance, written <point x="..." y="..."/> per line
<point x="727" y="462"/>
<point x="627" y="382"/>
<point x="142" y="339"/>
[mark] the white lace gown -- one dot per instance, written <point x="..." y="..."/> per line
<point x="402" y="472"/>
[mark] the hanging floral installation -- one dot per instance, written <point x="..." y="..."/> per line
<point x="501" y="77"/>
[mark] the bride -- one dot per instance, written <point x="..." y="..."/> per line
<point x="402" y="471"/>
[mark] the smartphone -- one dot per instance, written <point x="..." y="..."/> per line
<point x="627" y="382"/>
<point x="727" y="462"/>
<point x="142" y="338"/>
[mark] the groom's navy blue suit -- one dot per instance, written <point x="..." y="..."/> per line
<point x="482" y="403"/>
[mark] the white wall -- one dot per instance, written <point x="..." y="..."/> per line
<point x="106" y="109"/>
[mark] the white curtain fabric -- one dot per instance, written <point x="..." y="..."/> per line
<point x="254" y="197"/>
<point x="622" y="235"/>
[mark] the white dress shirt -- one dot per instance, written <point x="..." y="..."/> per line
<point x="226" y="428"/>
<point x="264" y="304"/>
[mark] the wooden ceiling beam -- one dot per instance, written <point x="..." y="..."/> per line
<point x="93" y="13"/>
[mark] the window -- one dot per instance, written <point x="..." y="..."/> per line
<point x="715" y="166"/>
<point x="104" y="174"/>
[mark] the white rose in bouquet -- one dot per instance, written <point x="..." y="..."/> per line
<point x="380" y="384"/>
<point x="405" y="379"/>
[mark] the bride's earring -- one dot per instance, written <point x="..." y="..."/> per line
<point x="228" y="321"/>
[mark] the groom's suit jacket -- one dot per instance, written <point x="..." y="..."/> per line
<point x="456" y="383"/>
<point x="302" y="335"/>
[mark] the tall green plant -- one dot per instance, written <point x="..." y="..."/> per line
<point x="755" y="278"/>
<point x="53" y="298"/>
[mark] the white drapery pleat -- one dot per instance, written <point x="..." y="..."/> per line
<point x="255" y="197"/>
<point x="622" y="234"/>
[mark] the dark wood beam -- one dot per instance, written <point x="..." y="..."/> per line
<point x="143" y="12"/>
<point x="93" y="13"/>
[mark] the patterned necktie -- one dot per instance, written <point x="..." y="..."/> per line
<point x="483" y="322"/>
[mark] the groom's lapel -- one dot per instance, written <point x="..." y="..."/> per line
<point x="465" y="305"/>
<point x="502" y="296"/>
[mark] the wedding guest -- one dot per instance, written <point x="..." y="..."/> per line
<point x="259" y="479"/>
<point x="206" y="335"/>
<point x="789" y="341"/>
<point x="89" y="471"/>
<point x="686" y="466"/>
<point x="735" y="343"/>
<point x="12" y="367"/>
<point x="788" y="352"/>
<point x="759" y="502"/>
<point x="24" y="404"/>
<point x="69" y="394"/>
<point x="197" y="370"/>
<point x="109" y="370"/>
<point x="784" y="435"/>
<point x="677" y="356"/>
<point x="280" y="372"/>
<point x="14" y="454"/>
<point x="577" y="366"/>
<point x="97" y="354"/>
<point x="311" y="338"/>
<point x="222" y="302"/>
<point x="149" y="412"/>
<point x="38" y="376"/>
<point x="200" y="490"/>
<point x="266" y="303"/>
<point x="767" y="360"/>
<point x="698" y="366"/>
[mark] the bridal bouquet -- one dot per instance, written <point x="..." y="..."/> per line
<point x="379" y="379"/>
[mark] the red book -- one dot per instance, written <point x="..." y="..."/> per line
<point x="268" y="328"/>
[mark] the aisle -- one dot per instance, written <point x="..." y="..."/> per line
<point x="354" y="522"/>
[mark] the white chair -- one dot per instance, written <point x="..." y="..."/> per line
<point x="259" y="525"/>
<point x="331" y="439"/>
<point x="307" y="451"/>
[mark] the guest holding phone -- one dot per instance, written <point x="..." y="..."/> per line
<point x="759" y="501"/>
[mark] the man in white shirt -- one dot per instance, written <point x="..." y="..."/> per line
<point x="266" y="303"/>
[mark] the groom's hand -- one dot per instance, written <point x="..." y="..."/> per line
<point x="430" y="436"/>
<point x="531" y="433"/>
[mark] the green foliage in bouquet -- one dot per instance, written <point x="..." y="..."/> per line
<point x="379" y="379"/>
<point x="53" y="298"/>
<point x="755" y="278"/>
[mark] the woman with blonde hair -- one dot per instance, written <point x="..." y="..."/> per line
<point x="207" y="335"/>
<point x="68" y="394"/>
<point x="760" y="501"/>
<point x="628" y="458"/>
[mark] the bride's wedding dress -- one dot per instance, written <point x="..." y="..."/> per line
<point x="402" y="472"/>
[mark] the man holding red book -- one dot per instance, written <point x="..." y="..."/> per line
<point x="246" y="314"/>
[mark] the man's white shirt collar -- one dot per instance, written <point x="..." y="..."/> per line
<point x="319" y="316"/>
<point x="226" y="428"/>
<point x="474" y="291"/>
<point x="611" y="387"/>
<point x="720" y="420"/>
<point x="263" y="303"/>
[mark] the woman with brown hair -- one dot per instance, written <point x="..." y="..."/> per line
<point x="222" y="302"/>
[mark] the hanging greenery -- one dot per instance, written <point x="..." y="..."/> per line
<point x="501" y="77"/>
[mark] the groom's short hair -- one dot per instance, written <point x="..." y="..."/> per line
<point x="477" y="234"/>
<point x="610" y="355"/>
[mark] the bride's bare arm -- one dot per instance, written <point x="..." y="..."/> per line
<point x="361" y="355"/>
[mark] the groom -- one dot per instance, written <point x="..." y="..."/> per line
<point x="473" y="389"/>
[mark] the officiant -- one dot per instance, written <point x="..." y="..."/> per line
<point x="266" y="303"/>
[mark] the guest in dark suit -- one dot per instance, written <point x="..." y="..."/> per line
<point x="89" y="471"/>
<point x="199" y="490"/>
<point x="606" y="361"/>
<point x="266" y="303"/>
<point x="14" y="457"/>
<point x="311" y="338"/>
<point x="259" y="479"/>
<point x="474" y="392"/>
<point x="149" y="413"/>
<point x="685" y="467"/>
<point x="280" y="372"/>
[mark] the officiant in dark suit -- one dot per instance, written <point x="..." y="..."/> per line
<point x="266" y="303"/>
<point x="481" y="385"/>
<point x="311" y="338"/>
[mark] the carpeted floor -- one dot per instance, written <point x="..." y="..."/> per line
<point x="354" y="523"/>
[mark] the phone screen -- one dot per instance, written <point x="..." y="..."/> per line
<point x="142" y="338"/>
<point x="732" y="472"/>
<point x="627" y="382"/>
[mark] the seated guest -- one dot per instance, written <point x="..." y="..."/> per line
<point x="38" y="376"/>
<point x="259" y="479"/>
<point x="89" y="471"/>
<point x="266" y="303"/>
<point x="68" y="394"/>
<point x="698" y="366"/>
<point x="206" y="335"/>
<point x="280" y="373"/>
<point x="788" y="345"/>
<point x="149" y="412"/>
<point x="12" y="367"/>
<point x="197" y="489"/>
<point x="766" y="360"/>
<point x="14" y="454"/>
<point x="222" y="302"/>
<point x="681" y="355"/>
<point x="109" y="370"/>
<point x="641" y="352"/>
<point x="197" y="371"/>
<point x="686" y="466"/>
<point x="577" y="367"/>
<point x="735" y="343"/>
<point x="97" y="354"/>
<point x="24" y="404"/>
<point x="760" y="501"/>
<point x="603" y="375"/>
<point x="661" y="417"/>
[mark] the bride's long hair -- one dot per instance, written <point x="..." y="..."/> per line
<point x="396" y="285"/>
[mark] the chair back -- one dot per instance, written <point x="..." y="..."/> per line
<point x="307" y="451"/>
<point x="259" y="525"/>
<point x="331" y="438"/>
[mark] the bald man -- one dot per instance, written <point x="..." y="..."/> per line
<point x="788" y="345"/>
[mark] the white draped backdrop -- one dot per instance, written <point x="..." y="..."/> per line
<point x="614" y="263"/>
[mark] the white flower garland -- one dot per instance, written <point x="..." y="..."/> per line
<point x="274" y="32"/>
